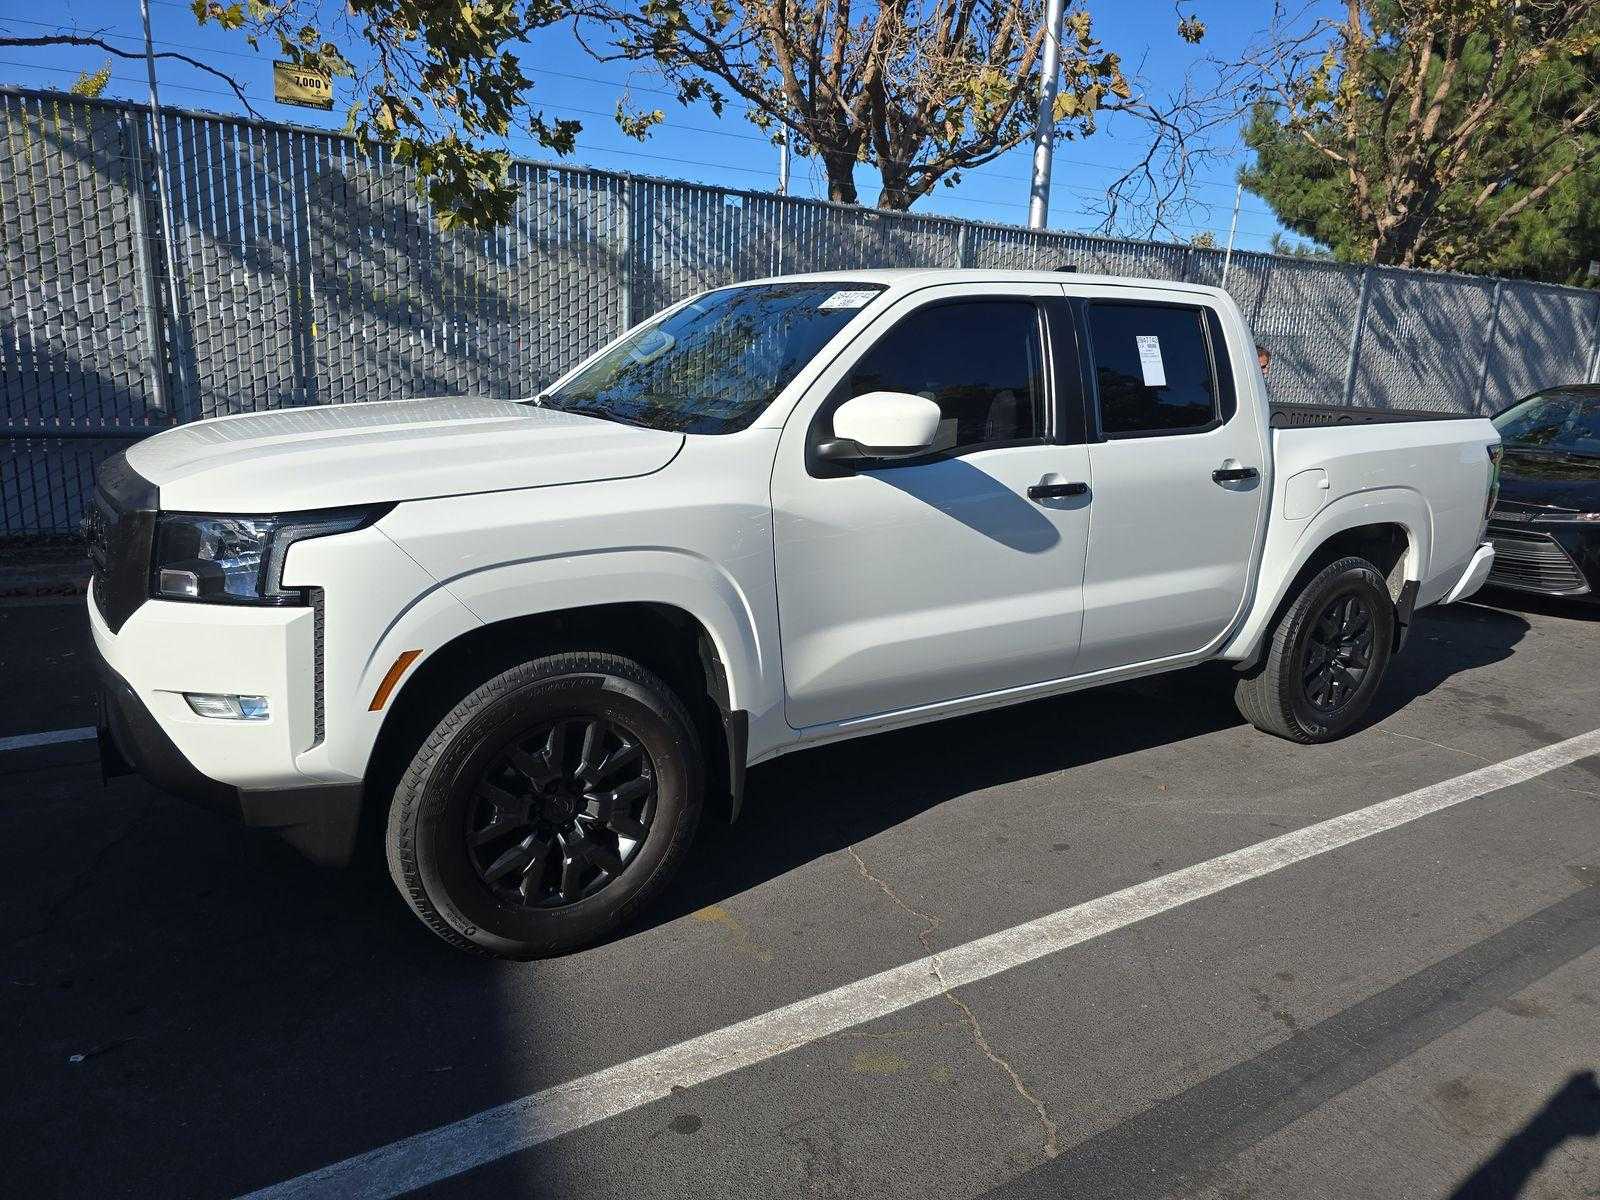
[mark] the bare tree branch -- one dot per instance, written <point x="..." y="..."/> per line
<point x="99" y="43"/>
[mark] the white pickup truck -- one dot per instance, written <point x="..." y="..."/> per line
<point x="532" y="639"/>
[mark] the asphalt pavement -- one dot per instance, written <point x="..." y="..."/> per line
<point x="189" y="1009"/>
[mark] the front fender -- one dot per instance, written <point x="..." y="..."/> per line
<point x="640" y="575"/>
<point x="1291" y="544"/>
<point x="447" y="611"/>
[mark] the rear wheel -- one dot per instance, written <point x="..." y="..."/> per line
<point x="547" y="807"/>
<point x="1325" y="657"/>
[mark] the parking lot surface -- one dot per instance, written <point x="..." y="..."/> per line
<point x="187" y="1008"/>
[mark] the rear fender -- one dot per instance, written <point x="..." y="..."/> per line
<point x="1291" y="545"/>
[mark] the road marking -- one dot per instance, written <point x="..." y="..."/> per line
<point x="51" y="737"/>
<point x="439" y="1154"/>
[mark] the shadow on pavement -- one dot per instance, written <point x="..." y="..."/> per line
<point x="1573" y="1112"/>
<point x="1548" y="606"/>
<point x="1443" y="643"/>
<point x="815" y="802"/>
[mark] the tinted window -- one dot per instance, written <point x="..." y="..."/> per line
<point x="979" y="361"/>
<point x="1152" y="368"/>
<point x="713" y="365"/>
<point x="1565" y="421"/>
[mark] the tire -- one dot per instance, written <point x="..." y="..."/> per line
<point x="1326" y="656"/>
<point x="509" y="833"/>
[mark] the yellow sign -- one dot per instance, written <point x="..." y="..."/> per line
<point x="305" y="86"/>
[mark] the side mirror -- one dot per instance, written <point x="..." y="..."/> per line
<point x="881" y="425"/>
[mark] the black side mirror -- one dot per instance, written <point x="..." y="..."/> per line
<point x="843" y="452"/>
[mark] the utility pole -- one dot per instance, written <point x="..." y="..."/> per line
<point x="783" y="163"/>
<point x="1044" y="133"/>
<point x="1227" y="259"/>
<point x="168" y="226"/>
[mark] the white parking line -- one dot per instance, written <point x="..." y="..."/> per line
<point x="453" y="1149"/>
<point x="51" y="737"/>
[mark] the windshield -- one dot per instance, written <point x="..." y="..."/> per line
<point x="1565" y="422"/>
<point x="713" y="365"/>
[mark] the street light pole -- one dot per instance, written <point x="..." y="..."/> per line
<point x="783" y="163"/>
<point x="1227" y="259"/>
<point x="1044" y="133"/>
<point x="175" y="324"/>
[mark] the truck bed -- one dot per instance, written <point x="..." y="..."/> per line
<point x="1314" y="416"/>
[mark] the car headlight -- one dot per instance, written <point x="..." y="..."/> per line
<point x="239" y="560"/>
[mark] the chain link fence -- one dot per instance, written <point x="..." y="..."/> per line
<point x="310" y="273"/>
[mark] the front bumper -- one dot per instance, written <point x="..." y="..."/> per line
<point x="1550" y="558"/>
<point x="319" y="820"/>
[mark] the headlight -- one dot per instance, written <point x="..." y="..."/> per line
<point x="239" y="560"/>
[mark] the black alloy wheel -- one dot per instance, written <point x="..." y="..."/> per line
<point x="560" y="812"/>
<point x="1325" y="655"/>
<point x="548" y="806"/>
<point x="1338" y="653"/>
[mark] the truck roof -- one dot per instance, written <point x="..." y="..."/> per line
<point x="930" y="276"/>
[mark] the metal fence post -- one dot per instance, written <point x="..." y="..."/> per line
<point x="1355" y="338"/>
<point x="150" y="314"/>
<point x="1488" y="345"/>
<point x="1592" y="375"/>
<point x="627" y="253"/>
<point x="782" y="203"/>
<point x="961" y="244"/>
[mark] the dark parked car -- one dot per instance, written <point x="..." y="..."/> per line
<point x="1546" y="523"/>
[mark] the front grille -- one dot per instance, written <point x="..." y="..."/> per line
<point x="1534" y="562"/>
<point x="120" y="526"/>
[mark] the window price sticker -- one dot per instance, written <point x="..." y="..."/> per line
<point x="847" y="300"/>
<point x="1155" y="372"/>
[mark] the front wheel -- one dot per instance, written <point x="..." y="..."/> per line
<point x="547" y="806"/>
<point x="1325" y="658"/>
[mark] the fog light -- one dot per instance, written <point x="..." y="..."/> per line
<point x="228" y="708"/>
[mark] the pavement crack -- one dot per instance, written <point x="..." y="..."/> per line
<point x="1541" y="781"/>
<point x="979" y="1038"/>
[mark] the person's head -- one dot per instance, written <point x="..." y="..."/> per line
<point x="1263" y="357"/>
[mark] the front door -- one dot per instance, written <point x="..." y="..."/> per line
<point x="925" y="581"/>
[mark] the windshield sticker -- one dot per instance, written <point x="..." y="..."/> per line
<point x="848" y="300"/>
<point x="1155" y="374"/>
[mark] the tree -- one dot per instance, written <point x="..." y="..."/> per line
<point x="430" y="82"/>
<point x="91" y="84"/>
<point x="1292" y="249"/>
<point x="1456" y="134"/>
<point x="921" y="89"/>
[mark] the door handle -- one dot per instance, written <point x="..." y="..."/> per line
<point x="1056" y="491"/>
<point x="1233" y="474"/>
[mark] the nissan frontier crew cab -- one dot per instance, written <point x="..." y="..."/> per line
<point x="530" y="641"/>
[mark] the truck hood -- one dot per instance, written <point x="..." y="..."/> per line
<point x="349" y="454"/>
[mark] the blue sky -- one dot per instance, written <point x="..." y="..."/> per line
<point x="693" y="143"/>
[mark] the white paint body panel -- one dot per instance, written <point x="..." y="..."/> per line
<point x="905" y="595"/>
<point x="308" y="458"/>
<point x="923" y="582"/>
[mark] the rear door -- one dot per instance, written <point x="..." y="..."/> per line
<point x="1178" y="476"/>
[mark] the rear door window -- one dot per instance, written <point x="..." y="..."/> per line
<point x="1152" y="368"/>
